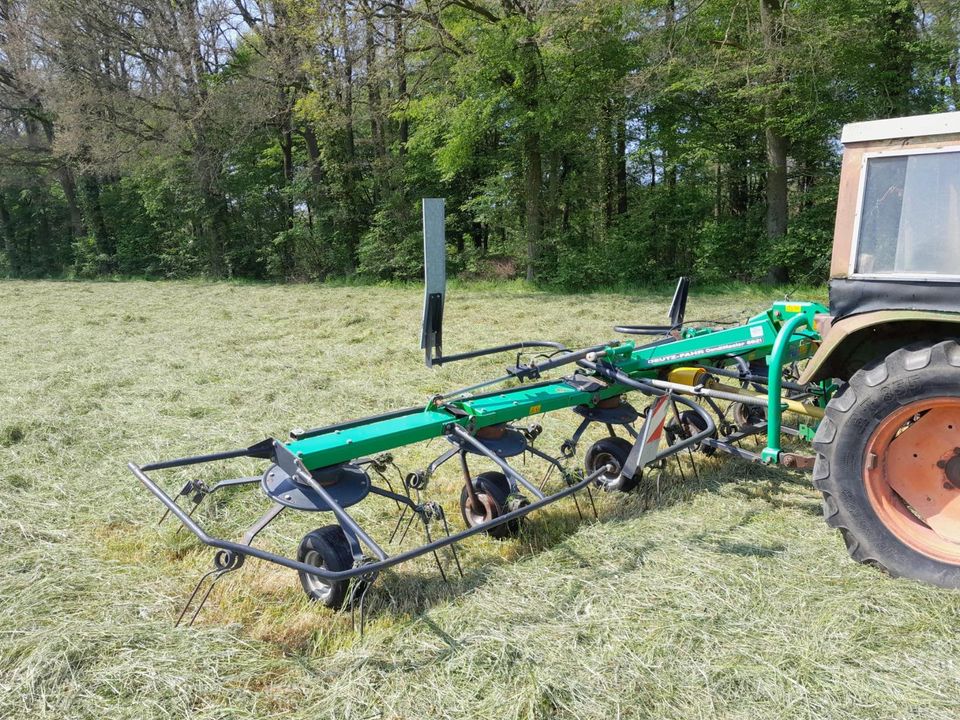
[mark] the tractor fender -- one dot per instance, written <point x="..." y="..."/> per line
<point x="855" y="340"/>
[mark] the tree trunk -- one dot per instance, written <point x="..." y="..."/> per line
<point x="69" y="185"/>
<point x="776" y="184"/>
<point x="347" y="85"/>
<point x="400" y="60"/>
<point x="101" y="234"/>
<point x="533" y="177"/>
<point x="9" y="239"/>
<point x="533" y="169"/>
<point x="373" y="87"/>
<point x="621" y="164"/>
<point x="771" y="20"/>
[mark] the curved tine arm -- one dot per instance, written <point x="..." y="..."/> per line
<point x="645" y="329"/>
<point x="522" y="345"/>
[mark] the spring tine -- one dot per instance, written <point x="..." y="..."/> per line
<point x="592" y="504"/>
<point x="185" y="490"/>
<point x="196" y="504"/>
<point x="396" y="527"/>
<point x="426" y="531"/>
<point x="363" y="609"/>
<point x="409" y="523"/>
<point x="546" y="477"/>
<point x="693" y="465"/>
<point x="196" y="589"/>
<point x="355" y="601"/>
<point x="453" y="547"/>
<point x="576" y="504"/>
<point x="203" y="601"/>
<point x="390" y="488"/>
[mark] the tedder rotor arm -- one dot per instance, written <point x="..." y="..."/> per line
<point x="236" y="549"/>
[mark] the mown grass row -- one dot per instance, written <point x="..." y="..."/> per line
<point x="718" y="595"/>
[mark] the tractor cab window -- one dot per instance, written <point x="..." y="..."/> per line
<point x="910" y="215"/>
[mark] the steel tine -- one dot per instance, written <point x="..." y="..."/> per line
<point x="593" y="505"/>
<point x="453" y="547"/>
<point x="362" y="591"/>
<point x="185" y="490"/>
<point x="196" y="504"/>
<point x="436" y="557"/>
<point x="409" y="523"/>
<point x="196" y="589"/>
<point x="576" y="504"/>
<point x="546" y="477"/>
<point x="203" y="601"/>
<point x="390" y="488"/>
<point x="396" y="527"/>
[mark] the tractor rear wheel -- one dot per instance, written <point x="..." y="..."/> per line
<point x="888" y="463"/>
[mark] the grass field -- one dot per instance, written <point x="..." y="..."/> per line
<point x="719" y="597"/>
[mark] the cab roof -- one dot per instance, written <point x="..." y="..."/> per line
<point x="903" y="127"/>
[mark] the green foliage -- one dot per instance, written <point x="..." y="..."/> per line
<point x="280" y="160"/>
<point x="393" y="246"/>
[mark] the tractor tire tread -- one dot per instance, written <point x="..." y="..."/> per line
<point x="845" y="506"/>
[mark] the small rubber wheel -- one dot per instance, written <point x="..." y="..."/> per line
<point x="326" y="548"/>
<point x="888" y="463"/>
<point x="610" y="451"/>
<point x="692" y="424"/>
<point x="493" y="492"/>
<point x="745" y="415"/>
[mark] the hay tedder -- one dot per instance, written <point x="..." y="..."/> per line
<point x="873" y="382"/>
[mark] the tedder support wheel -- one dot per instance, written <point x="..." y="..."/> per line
<point x="327" y="548"/>
<point x="888" y="463"/>
<point x="492" y="490"/>
<point x="692" y="424"/>
<point x="609" y="451"/>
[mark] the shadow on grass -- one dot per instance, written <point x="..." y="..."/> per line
<point x="413" y="594"/>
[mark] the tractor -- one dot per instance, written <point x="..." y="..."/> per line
<point x="888" y="448"/>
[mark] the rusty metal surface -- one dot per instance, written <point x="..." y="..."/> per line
<point x="797" y="461"/>
<point x="915" y="466"/>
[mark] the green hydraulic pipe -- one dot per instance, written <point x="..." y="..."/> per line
<point x="771" y="453"/>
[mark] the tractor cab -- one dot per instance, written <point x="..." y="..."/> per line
<point x="897" y="233"/>
<point x="895" y="267"/>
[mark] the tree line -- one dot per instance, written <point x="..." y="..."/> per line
<point x="577" y="142"/>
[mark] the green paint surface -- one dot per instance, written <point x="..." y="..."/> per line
<point x="755" y="338"/>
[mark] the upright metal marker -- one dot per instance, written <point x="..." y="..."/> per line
<point x="435" y="278"/>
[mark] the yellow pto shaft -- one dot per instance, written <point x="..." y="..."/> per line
<point x="699" y="377"/>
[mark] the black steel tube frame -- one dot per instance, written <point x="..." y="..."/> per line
<point x="376" y="566"/>
<point x="522" y="345"/>
<point x="528" y="371"/>
<point x="758" y="379"/>
<point x="469" y="439"/>
<point x="645" y="329"/>
<point x="284" y="458"/>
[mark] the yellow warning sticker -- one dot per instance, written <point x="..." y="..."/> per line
<point x="793" y="308"/>
<point x="534" y="409"/>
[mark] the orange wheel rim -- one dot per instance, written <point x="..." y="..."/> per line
<point x="912" y="476"/>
